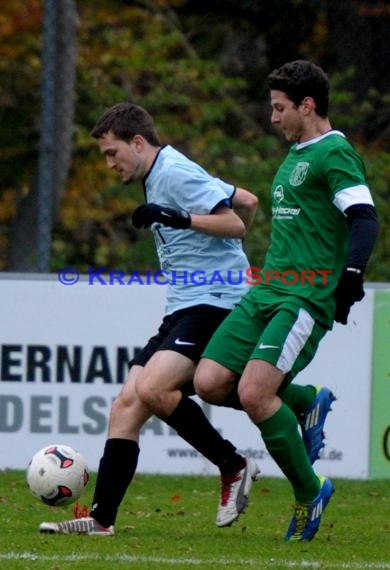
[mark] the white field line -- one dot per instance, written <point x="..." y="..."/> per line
<point x="217" y="562"/>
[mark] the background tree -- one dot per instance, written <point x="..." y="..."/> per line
<point x="201" y="72"/>
<point x="62" y="43"/>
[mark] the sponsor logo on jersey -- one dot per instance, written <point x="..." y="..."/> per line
<point x="280" y="212"/>
<point x="285" y="213"/>
<point x="279" y="193"/>
<point x="298" y="175"/>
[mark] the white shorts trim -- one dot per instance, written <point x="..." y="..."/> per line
<point x="295" y="341"/>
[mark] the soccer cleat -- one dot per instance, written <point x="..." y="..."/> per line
<point x="312" y="422"/>
<point x="306" y="520"/>
<point x="235" y="489"/>
<point x="84" y="525"/>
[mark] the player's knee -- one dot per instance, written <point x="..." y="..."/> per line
<point x="122" y="402"/>
<point x="148" y="392"/>
<point x="245" y="394"/>
<point x="203" y="391"/>
<point x="254" y="401"/>
<point x="212" y="382"/>
<point x="143" y="392"/>
<point x="202" y="380"/>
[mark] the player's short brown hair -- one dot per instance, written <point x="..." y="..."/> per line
<point x="299" y="79"/>
<point x="124" y="121"/>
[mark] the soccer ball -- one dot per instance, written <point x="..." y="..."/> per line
<point x="57" y="475"/>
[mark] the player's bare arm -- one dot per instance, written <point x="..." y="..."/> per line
<point x="222" y="223"/>
<point x="245" y="205"/>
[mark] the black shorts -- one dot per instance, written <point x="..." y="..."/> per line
<point x="186" y="331"/>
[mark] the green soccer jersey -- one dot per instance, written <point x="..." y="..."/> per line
<point x="313" y="187"/>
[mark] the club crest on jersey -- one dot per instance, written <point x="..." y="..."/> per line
<point x="298" y="175"/>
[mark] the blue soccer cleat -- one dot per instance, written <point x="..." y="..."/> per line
<point x="306" y="520"/>
<point x="312" y="422"/>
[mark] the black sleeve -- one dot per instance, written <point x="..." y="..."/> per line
<point x="363" y="226"/>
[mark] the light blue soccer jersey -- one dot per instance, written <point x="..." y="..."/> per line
<point x="198" y="268"/>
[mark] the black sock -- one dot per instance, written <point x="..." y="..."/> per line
<point x="116" y="471"/>
<point x="192" y="425"/>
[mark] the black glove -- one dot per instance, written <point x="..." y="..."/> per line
<point x="144" y="216"/>
<point x="349" y="290"/>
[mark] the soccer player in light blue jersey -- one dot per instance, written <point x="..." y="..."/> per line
<point x="198" y="222"/>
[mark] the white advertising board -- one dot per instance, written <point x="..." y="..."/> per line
<point x="63" y="354"/>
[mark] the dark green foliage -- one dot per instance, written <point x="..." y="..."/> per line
<point x="200" y="69"/>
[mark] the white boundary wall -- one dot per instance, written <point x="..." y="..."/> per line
<point x="44" y="323"/>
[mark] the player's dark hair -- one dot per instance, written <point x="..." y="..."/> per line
<point x="125" y="120"/>
<point x="299" y="79"/>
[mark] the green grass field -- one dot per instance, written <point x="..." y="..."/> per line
<point x="168" y="522"/>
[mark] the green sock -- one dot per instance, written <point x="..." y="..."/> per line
<point x="298" y="398"/>
<point x="285" y="445"/>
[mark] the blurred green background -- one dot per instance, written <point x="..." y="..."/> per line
<point x="199" y="68"/>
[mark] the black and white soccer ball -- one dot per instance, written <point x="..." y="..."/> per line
<point x="57" y="475"/>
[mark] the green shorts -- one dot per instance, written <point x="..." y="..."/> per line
<point x="286" y="335"/>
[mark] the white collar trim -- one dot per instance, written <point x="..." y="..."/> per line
<point x="313" y="141"/>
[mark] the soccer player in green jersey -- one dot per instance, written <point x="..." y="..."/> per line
<point x="324" y="226"/>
